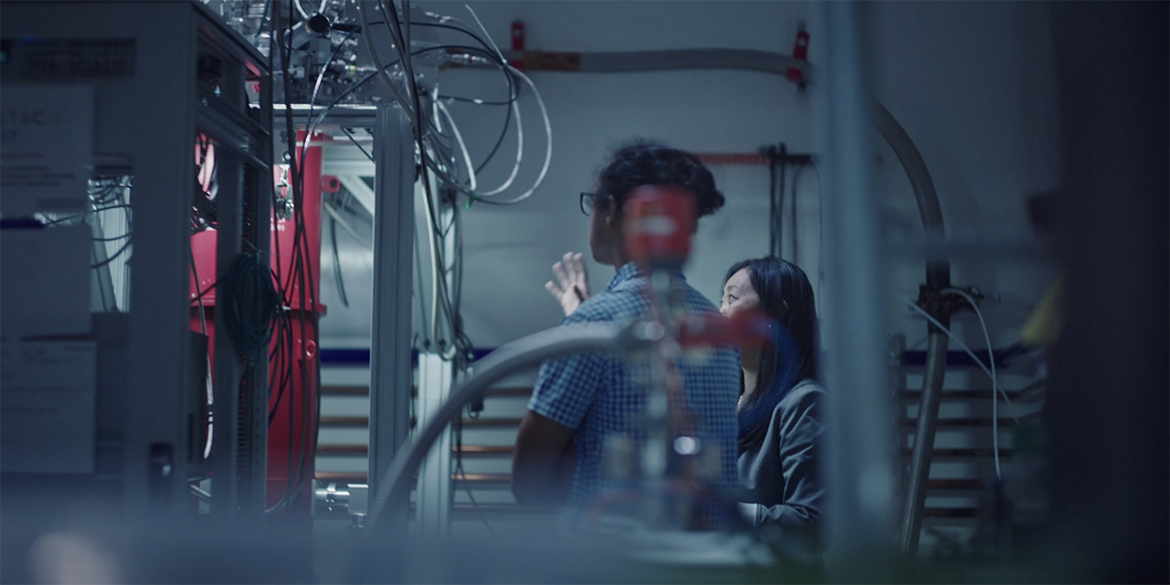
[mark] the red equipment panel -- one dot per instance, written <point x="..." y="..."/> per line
<point x="293" y="391"/>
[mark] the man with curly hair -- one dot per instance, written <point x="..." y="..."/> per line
<point x="582" y="401"/>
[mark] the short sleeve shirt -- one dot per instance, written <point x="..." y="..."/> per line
<point x="603" y="394"/>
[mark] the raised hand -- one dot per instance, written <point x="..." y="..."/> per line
<point x="572" y="282"/>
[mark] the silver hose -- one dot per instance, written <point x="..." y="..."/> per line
<point x="938" y="277"/>
<point x="911" y="159"/>
<point x="391" y="497"/>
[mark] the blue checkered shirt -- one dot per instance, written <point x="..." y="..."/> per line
<point x="600" y="395"/>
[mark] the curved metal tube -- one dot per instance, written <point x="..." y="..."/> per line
<point x="525" y="352"/>
<point x="938" y="276"/>
<point x="743" y="59"/>
<point x="932" y="381"/>
<point x="632" y="61"/>
<point x="911" y="159"/>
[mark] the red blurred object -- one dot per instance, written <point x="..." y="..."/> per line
<point x="658" y="226"/>
<point x="799" y="52"/>
<point x="203" y="248"/>
<point x="330" y="184"/>
<point x="517" y="42"/>
<point x="300" y="394"/>
<point x="301" y="388"/>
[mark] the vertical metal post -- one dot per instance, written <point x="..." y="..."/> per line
<point x="920" y="456"/>
<point x="226" y="376"/>
<point x="390" y="368"/>
<point x="257" y="206"/>
<point x="157" y="447"/>
<point x="434" y="498"/>
<point x="230" y="407"/>
<point x="859" y="470"/>
<point x="240" y="409"/>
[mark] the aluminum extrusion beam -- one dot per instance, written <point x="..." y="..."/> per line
<point x="390" y="368"/>
<point x="434" y="496"/>
<point x="859" y="462"/>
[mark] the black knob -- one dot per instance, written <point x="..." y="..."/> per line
<point x="319" y="24"/>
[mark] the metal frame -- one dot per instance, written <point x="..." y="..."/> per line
<point x="925" y="427"/>
<point x="244" y="202"/>
<point x="434" y="496"/>
<point x="859" y="450"/>
<point x="148" y="123"/>
<point x="390" y="367"/>
<point x="360" y="191"/>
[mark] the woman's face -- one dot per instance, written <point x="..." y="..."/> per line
<point x="739" y="296"/>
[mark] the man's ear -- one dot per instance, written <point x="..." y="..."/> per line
<point x="613" y="214"/>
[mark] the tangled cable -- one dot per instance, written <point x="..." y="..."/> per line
<point x="249" y="301"/>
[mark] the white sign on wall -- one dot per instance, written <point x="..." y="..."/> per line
<point x="46" y="148"/>
<point x="48" y="402"/>
<point x="44" y="281"/>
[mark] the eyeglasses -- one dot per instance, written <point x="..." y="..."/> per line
<point x="588" y="200"/>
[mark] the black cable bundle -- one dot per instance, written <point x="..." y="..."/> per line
<point x="249" y="301"/>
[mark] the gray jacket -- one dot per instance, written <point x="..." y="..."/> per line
<point x="783" y="493"/>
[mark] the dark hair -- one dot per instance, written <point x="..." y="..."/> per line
<point x="646" y="162"/>
<point x="786" y="295"/>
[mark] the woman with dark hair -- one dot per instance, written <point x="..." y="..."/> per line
<point x="779" y="418"/>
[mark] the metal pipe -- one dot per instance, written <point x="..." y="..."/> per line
<point x="771" y="203"/>
<point x="778" y="216"/>
<point x="632" y="61"/>
<point x="523" y="353"/>
<point x="911" y="159"/>
<point x="923" y="442"/>
<point x="202" y="495"/>
<point x="859" y="462"/>
<point x="938" y="277"/>
<point x="329" y="499"/>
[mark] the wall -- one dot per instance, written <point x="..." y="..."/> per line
<point x="972" y="83"/>
<point x="716" y="111"/>
<point x="510" y="250"/>
<point x="974" y="86"/>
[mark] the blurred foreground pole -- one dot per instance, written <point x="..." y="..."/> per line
<point x="859" y="468"/>
<point x="1108" y="399"/>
